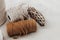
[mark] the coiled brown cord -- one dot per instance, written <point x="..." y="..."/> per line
<point x="21" y="27"/>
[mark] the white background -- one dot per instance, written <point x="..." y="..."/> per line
<point x="51" y="11"/>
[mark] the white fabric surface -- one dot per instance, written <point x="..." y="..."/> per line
<point x="1" y="35"/>
<point x="2" y="12"/>
<point x="51" y="11"/>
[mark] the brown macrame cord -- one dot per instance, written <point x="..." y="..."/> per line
<point x="21" y="27"/>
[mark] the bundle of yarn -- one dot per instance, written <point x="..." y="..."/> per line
<point x="36" y="15"/>
<point x="21" y="28"/>
<point x="24" y="12"/>
<point x="18" y="12"/>
<point x="19" y="22"/>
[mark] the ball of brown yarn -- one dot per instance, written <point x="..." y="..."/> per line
<point x="21" y="27"/>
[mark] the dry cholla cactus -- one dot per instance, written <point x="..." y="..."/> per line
<point x="36" y="15"/>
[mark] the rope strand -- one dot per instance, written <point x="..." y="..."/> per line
<point x="21" y="27"/>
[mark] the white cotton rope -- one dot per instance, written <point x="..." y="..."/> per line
<point x="17" y="12"/>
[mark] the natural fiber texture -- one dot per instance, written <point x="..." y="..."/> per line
<point x="21" y="27"/>
<point x="36" y="15"/>
<point x="17" y="13"/>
